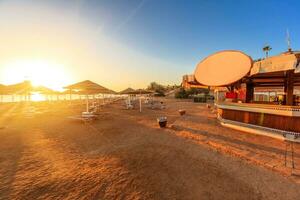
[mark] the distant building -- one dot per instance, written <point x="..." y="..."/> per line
<point x="189" y="81"/>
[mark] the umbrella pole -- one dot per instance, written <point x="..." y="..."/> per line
<point x="87" y="103"/>
<point x="70" y="95"/>
<point x="140" y="104"/>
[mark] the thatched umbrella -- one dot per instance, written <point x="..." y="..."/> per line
<point x="112" y="92"/>
<point x="46" y="91"/>
<point x="140" y="92"/>
<point x="70" y="92"/>
<point x="43" y="89"/>
<point x="127" y="91"/>
<point x="88" y="87"/>
<point x="23" y="88"/>
<point x="2" y="91"/>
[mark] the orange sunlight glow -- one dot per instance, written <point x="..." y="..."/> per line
<point x="39" y="72"/>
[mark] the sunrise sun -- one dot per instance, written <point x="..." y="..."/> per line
<point x="39" y="72"/>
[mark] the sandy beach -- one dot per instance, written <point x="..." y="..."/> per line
<point x="125" y="155"/>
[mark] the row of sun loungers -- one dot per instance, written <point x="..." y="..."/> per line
<point x="93" y="111"/>
<point x="149" y="103"/>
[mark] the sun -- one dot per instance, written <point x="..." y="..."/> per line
<point x="39" y="72"/>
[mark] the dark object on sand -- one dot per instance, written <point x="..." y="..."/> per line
<point x="162" y="121"/>
<point x="182" y="112"/>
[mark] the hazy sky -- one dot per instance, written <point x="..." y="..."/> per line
<point x="119" y="43"/>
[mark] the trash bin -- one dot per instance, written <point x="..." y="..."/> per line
<point x="162" y="121"/>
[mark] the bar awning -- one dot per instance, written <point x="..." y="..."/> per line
<point x="282" y="62"/>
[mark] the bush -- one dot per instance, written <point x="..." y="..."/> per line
<point x="157" y="88"/>
<point x="194" y="91"/>
<point x="184" y="94"/>
<point x="159" y="93"/>
<point x="181" y="94"/>
<point x="203" y="98"/>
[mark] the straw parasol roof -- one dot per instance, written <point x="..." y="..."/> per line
<point x="2" y="89"/>
<point x="45" y="90"/>
<point x="110" y="91"/>
<point x="127" y="91"/>
<point x="19" y="88"/>
<point x="141" y="91"/>
<point x="89" y="87"/>
<point x="113" y="92"/>
<point x="68" y="92"/>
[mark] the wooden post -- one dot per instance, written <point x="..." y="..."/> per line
<point x="249" y="92"/>
<point x="289" y="88"/>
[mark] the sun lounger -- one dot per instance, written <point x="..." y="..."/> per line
<point x="88" y="114"/>
<point x="85" y="117"/>
<point x="157" y="105"/>
<point x="128" y="104"/>
<point x="80" y="118"/>
<point x="147" y="100"/>
<point x="94" y="109"/>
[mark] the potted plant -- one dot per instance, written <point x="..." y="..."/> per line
<point x="181" y="112"/>
<point x="162" y="121"/>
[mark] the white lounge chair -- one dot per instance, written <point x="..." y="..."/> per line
<point x="128" y="104"/>
<point x="159" y="105"/>
<point x="85" y="117"/>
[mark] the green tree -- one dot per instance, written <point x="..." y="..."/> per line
<point x="158" y="88"/>
<point x="181" y="94"/>
<point x="266" y="49"/>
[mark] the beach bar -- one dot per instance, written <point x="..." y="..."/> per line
<point x="248" y="104"/>
<point x="279" y="117"/>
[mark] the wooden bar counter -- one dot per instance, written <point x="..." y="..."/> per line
<point x="278" y="119"/>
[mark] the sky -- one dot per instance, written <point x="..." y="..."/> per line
<point x="130" y="43"/>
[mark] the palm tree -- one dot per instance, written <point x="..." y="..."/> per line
<point x="266" y="49"/>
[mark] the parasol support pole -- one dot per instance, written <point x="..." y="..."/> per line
<point x="140" y="104"/>
<point x="87" y="103"/>
<point x="70" y="95"/>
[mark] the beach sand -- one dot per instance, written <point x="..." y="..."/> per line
<point x="125" y="155"/>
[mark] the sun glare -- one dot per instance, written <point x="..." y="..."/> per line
<point x="37" y="97"/>
<point x="39" y="72"/>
